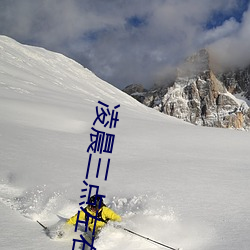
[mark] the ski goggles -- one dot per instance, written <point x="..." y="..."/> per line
<point x="93" y="208"/>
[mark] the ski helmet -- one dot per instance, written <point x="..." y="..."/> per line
<point x="96" y="201"/>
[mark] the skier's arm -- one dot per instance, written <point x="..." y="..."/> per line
<point x="73" y="219"/>
<point x="111" y="215"/>
<point x="107" y="214"/>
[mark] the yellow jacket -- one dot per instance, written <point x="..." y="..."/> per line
<point x="104" y="213"/>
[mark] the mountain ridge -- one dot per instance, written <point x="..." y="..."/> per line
<point x="200" y="95"/>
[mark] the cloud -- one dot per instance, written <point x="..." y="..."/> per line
<point x="232" y="50"/>
<point x="121" y="41"/>
<point x="228" y="28"/>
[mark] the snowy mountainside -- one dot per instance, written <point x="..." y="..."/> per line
<point x="179" y="184"/>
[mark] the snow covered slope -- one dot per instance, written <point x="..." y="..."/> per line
<point x="176" y="183"/>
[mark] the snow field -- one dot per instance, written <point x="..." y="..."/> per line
<point x="181" y="185"/>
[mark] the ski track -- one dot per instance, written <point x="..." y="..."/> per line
<point x="144" y="214"/>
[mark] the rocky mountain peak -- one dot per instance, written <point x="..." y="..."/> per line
<point x="197" y="64"/>
<point x="200" y="96"/>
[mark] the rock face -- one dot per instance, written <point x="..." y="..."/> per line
<point x="237" y="81"/>
<point x="137" y="91"/>
<point x="201" y="97"/>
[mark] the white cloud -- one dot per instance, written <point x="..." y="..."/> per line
<point x="97" y="32"/>
<point x="228" y="28"/>
<point x="233" y="50"/>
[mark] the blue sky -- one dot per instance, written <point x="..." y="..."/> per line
<point x="131" y="41"/>
<point x="218" y="17"/>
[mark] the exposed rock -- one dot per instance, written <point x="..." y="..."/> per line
<point x="137" y="91"/>
<point x="133" y="88"/>
<point x="198" y="96"/>
<point x="237" y="81"/>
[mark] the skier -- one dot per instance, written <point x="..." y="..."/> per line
<point x="104" y="214"/>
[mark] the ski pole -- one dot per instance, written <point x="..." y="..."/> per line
<point x="159" y="243"/>
<point x="45" y="228"/>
